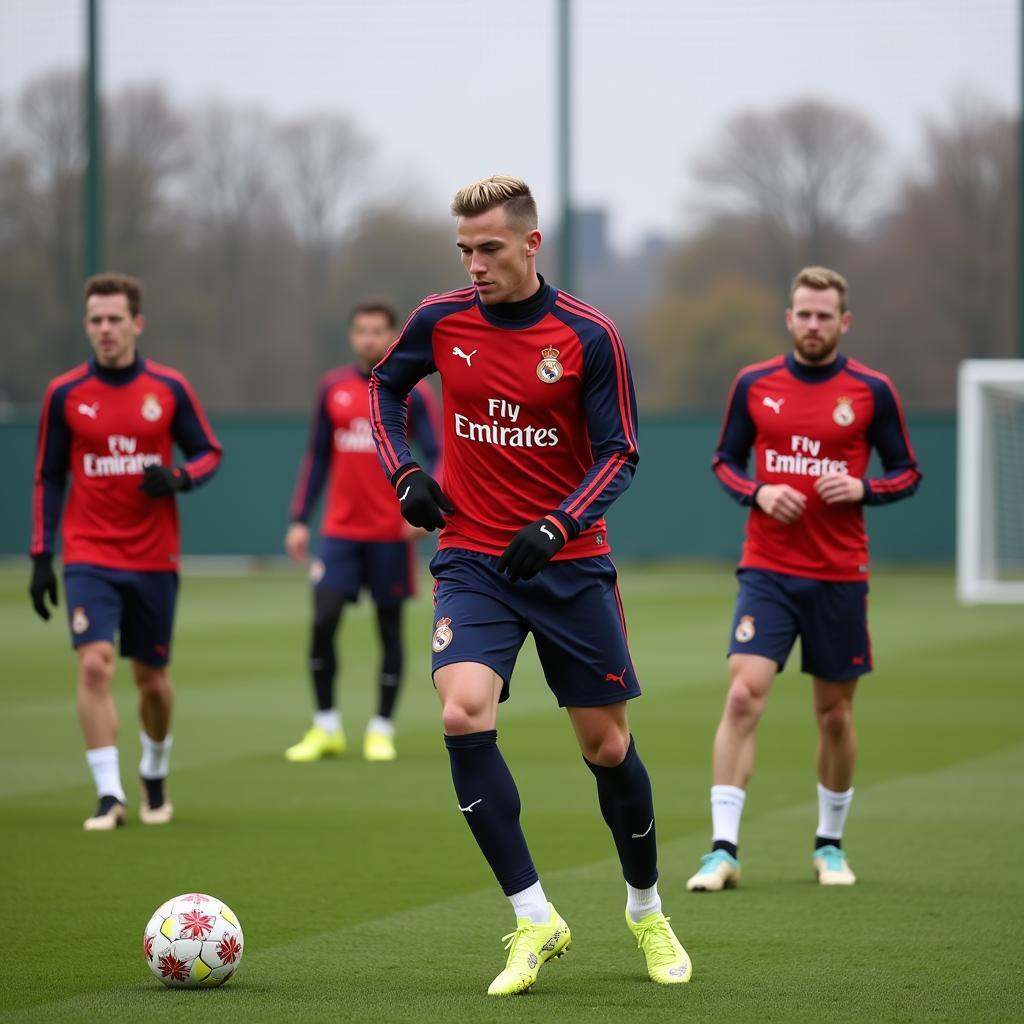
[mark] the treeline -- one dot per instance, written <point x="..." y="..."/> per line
<point x="255" y="236"/>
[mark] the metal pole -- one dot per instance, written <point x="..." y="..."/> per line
<point x="566" y="243"/>
<point x="93" y="242"/>
<point x="1020" y="182"/>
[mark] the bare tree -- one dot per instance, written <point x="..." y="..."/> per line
<point x="801" y="174"/>
<point x="50" y="110"/>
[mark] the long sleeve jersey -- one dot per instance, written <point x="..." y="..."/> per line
<point x="361" y="502"/>
<point x="539" y="415"/>
<point x="102" y="428"/>
<point x="805" y="422"/>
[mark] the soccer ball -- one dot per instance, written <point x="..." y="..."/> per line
<point x="193" y="941"/>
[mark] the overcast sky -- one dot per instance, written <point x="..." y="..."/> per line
<point x="452" y="90"/>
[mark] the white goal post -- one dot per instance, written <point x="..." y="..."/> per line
<point x="990" y="481"/>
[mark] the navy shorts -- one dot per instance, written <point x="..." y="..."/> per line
<point x="386" y="568"/>
<point x="831" y="619"/>
<point x="140" y="605"/>
<point x="572" y="608"/>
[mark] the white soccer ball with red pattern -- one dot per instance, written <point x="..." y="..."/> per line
<point x="193" y="941"/>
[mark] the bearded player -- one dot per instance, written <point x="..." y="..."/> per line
<point x="812" y="418"/>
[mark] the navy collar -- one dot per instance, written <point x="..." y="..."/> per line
<point x="815" y="374"/>
<point x="516" y="316"/>
<point x="118" y="376"/>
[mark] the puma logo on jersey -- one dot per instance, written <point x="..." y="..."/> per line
<point x="469" y="809"/>
<point x="462" y="355"/>
<point x="89" y="410"/>
<point x="643" y="835"/>
<point x="775" y="404"/>
<point x="407" y="490"/>
<point x="547" y="533"/>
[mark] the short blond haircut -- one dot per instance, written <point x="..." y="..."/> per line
<point x="500" y="190"/>
<point x="821" y="279"/>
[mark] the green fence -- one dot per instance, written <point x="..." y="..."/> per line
<point x="675" y="508"/>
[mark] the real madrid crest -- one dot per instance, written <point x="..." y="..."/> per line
<point x="549" y="369"/>
<point x="152" y="410"/>
<point x="745" y="629"/>
<point x="79" y="621"/>
<point x="442" y="634"/>
<point x="843" y="412"/>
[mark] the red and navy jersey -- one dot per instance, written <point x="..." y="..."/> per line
<point x="360" y="501"/>
<point x="104" y="427"/>
<point x="539" y="415"/>
<point x="803" y="423"/>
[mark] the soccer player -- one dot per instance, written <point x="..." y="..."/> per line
<point x="539" y="439"/>
<point x="364" y="542"/>
<point x="812" y="418"/>
<point x="110" y="424"/>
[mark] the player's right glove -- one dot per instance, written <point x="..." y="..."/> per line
<point x="420" y="498"/>
<point x="43" y="583"/>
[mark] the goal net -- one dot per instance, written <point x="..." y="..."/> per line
<point x="990" y="481"/>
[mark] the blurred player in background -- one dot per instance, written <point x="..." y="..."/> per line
<point x="111" y="423"/>
<point x="364" y="541"/>
<point x="812" y="418"/>
<point x="540" y="438"/>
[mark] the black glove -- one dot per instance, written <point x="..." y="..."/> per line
<point x="160" y="480"/>
<point x="421" y="499"/>
<point x="43" y="583"/>
<point x="532" y="548"/>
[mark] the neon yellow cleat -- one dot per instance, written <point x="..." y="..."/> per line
<point x="529" y="947"/>
<point x="667" y="962"/>
<point x="379" y="746"/>
<point x="317" y="744"/>
<point x="718" y="871"/>
<point x="832" y="868"/>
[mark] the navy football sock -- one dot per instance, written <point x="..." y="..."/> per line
<point x="624" y="793"/>
<point x="323" y="660"/>
<point x="389" y="682"/>
<point x="489" y="800"/>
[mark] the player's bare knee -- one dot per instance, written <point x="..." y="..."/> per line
<point x="458" y="719"/>
<point x="743" y="702"/>
<point x="96" y="669"/>
<point x="152" y="682"/>
<point x="836" y="720"/>
<point x="607" y="751"/>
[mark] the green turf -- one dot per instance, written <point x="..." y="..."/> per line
<point x="363" y="897"/>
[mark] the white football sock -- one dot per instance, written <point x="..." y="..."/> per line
<point x="641" y="902"/>
<point x="531" y="903"/>
<point x="106" y="772"/>
<point x="329" y="721"/>
<point x="378" y="724"/>
<point x="726" y="809"/>
<point x="155" y="757"/>
<point x="832" y="811"/>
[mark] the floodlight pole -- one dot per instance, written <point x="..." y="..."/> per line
<point x="566" y="244"/>
<point x="93" y="242"/>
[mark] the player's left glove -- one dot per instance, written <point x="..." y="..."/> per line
<point x="43" y="585"/>
<point x="533" y="547"/>
<point x="160" y="480"/>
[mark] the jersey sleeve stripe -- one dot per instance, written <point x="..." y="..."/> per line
<point x="157" y="370"/>
<point x="597" y="485"/>
<point x="856" y="368"/>
<point x="732" y="479"/>
<point x="573" y="305"/>
<point x="906" y="479"/>
<point x="37" y="489"/>
<point x="380" y="435"/>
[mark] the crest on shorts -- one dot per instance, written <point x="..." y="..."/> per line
<point x="745" y="629"/>
<point x="843" y="412"/>
<point x="549" y="369"/>
<point x="152" y="410"/>
<point x="316" y="570"/>
<point x="442" y="635"/>
<point x="79" y="621"/>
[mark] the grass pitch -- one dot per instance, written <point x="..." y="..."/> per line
<point x="363" y="897"/>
